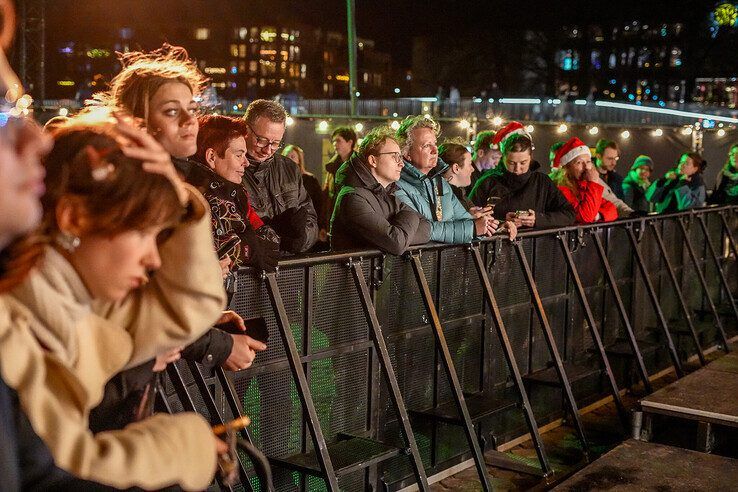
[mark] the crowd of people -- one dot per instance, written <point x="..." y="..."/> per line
<point x="122" y="228"/>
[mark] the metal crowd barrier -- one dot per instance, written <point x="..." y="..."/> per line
<point x="382" y="371"/>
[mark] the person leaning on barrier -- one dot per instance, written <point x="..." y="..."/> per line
<point x="161" y="88"/>
<point x="422" y="187"/>
<point x="681" y="188"/>
<point x="636" y="183"/>
<point x="458" y="175"/>
<point x="273" y="181"/>
<point x="85" y="291"/>
<point x="726" y="185"/>
<point x="577" y="178"/>
<point x="314" y="190"/>
<point x="521" y="194"/>
<point x="239" y="234"/>
<point x="367" y="212"/>
<point x="606" y="157"/>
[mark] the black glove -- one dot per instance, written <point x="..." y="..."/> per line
<point x="264" y="254"/>
<point x="291" y="227"/>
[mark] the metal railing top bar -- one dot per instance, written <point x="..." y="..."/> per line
<point x="317" y="258"/>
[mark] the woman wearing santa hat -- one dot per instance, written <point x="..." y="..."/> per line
<point x="517" y="191"/>
<point x="576" y="177"/>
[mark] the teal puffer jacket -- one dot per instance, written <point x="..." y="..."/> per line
<point x="421" y="193"/>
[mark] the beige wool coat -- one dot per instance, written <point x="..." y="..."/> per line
<point x="58" y="348"/>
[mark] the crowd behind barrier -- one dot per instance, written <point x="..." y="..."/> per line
<point x="349" y="396"/>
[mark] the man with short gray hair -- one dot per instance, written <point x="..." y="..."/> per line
<point x="273" y="182"/>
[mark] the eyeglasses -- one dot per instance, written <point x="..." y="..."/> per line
<point x="396" y="156"/>
<point x="262" y="142"/>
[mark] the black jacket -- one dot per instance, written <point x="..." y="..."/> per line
<point x="635" y="196"/>
<point x="369" y="215"/>
<point x="129" y="395"/>
<point x="274" y="186"/>
<point x="532" y="190"/>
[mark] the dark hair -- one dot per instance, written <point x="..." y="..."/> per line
<point x="516" y="143"/>
<point x="270" y="110"/>
<point x="603" y="144"/>
<point x="144" y="73"/>
<point x="483" y="141"/>
<point x="346" y="133"/>
<point x="699" y="161"/>
<point x="452" y="152"/>
<point x="216" y="132"/>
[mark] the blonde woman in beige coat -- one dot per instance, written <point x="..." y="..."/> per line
<point x="112" y="194"/>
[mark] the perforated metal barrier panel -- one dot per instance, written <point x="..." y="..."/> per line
<point x="333" y="338"/>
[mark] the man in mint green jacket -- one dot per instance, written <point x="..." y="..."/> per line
<point x="422" y="186"/>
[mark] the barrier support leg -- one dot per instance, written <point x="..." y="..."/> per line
<point x="729" y="234"/>
<point x="512" y="364"/>
<point x="624" y="417"/>
<point x="655" y="302"/>
<point x="389" y="373"/>
<point x="450" y="370"/>
<point x="552" y="349"/>
<point x="675" y="283"/>
<point x="703" y="283"/>
<point x="303" y="388"/>
<point x="718" y="266"/>
<point x="640" y="364"/>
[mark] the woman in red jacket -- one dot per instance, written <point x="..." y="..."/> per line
<point x="576" y="177"/>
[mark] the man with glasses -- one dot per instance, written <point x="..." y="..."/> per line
<point x="273" y="181"/>
<point x="367" y="213"/>
<point x="607" y="155"/>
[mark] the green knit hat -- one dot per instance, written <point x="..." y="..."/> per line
<point x="642" y="160"/>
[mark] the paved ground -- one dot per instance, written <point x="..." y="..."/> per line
<point x="603" y="431"/>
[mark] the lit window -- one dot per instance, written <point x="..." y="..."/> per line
<point x="243" y="33"/>
<point x="242" y="51"/>
<point x="253" y="66"/>
<point x="202" y="33"/>
<point x="234" y="50"/>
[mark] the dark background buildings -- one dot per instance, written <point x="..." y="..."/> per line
<point x="626" y="50"/>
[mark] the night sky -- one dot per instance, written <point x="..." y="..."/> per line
<point x="392" y="24"/>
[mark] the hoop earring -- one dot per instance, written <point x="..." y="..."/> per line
<point x="68" y="241"/>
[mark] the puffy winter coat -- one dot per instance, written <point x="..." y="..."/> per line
<point x="427" y="196"/>
<point x="370" y="215"/>
<point x="673" y="195"/>
<point x="588" y="203"/>
<point x="532" y="190"/>
<point x="66" y="347"/>
<point x="276" y="185"/>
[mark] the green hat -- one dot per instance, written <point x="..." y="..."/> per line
<point x="642" y="160"/>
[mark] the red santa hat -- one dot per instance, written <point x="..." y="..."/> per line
<point x="572" y="149"/>
<point x="512" y="128"/>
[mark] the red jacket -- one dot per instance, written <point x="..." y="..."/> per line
<point x="589" y="203"/>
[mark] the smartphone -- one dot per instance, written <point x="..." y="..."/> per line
<point x="256" y="328"/>
<point x="522" y="213"/>
<point x="493" y="200"/>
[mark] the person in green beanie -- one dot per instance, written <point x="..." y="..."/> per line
<point x="637" y="182"/>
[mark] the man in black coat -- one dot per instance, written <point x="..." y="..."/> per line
<point x="274" y="183"/>
<point x="367" y="213"/>
<point x="607" y="155"/>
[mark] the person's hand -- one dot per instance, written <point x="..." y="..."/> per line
<point x="243" y="353"/>
<point x="138" y="144"/>
<point x="225" y="266"/>
<point x="221" y="447"/>
<point x="264" y="254"/>
<point x="291" y="226"/>
<point x="671" y="175"/>
<point x="480" y="225"/>
<point x="231" y="317"/>
<point x="477" y="212"/>
<point x="168" y="357"/>
<point x="591" y="173"/>
<point x="512" y="229"/>
<point x="528" y="220"/>
<point x="323" y="235"/>
<point x="514" y="218"/>
<point x="492" y="226"/>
